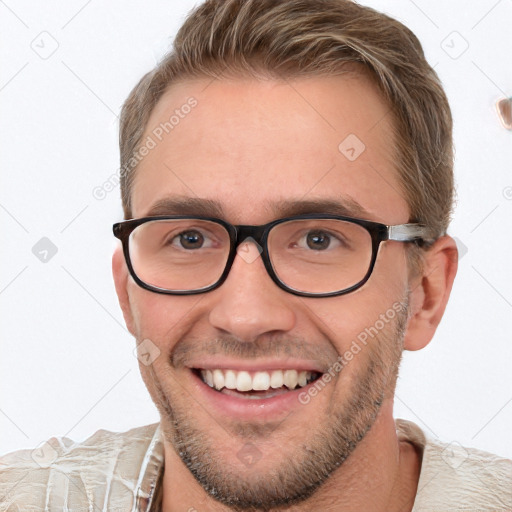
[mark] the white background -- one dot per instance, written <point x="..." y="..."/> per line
<point x="67" y="365"/>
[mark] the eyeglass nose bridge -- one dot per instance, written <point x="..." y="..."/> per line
<point x="256" y="234"/>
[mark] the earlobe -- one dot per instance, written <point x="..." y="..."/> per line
<point x="121" y="276"/>
<point x="430" y="292"/>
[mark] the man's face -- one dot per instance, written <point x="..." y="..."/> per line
<point x="253" y="147"/>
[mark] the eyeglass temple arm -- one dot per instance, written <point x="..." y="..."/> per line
<point x="408" y="232"/>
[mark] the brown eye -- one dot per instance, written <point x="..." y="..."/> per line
<point x="191" y="240"/>
<point x="318" y="240"/>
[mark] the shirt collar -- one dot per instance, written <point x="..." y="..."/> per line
<point x="149" y="486"/>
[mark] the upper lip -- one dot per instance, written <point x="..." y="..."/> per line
<point x="255" y="365"/>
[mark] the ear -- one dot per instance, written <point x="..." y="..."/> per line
<point x="121" y="276"/>
<point x="430" y="292"/>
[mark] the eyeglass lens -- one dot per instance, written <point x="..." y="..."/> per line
<point x="307" y="255"/>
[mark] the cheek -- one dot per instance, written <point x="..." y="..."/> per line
<point x="163" y="319"/>
<point x="350" y="317"/>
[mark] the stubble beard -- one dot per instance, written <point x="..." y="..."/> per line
<point x="309" y="466"/>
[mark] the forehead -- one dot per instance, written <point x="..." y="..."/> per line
<point x="249" y="145"/>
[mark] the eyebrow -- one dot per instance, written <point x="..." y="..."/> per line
<point x="193" y="206"/>
<point x="179" y="205"/>
<point x="344" y="206"/>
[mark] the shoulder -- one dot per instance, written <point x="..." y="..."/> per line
<point x="59" y="472"/>
<point x="458" y="478"/>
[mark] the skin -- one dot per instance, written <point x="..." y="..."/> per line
<point x="251" y="144"/>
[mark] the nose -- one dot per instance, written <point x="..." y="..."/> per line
<point x="249" y="304"/>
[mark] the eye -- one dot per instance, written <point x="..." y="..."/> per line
<point x="318" y="240"/>
<point x="191" y="239"/>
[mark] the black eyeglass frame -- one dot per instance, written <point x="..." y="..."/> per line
<point x="412" y="232"/>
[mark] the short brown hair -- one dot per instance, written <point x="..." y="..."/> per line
<point x="295" y="38"/>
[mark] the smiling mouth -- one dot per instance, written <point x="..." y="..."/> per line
<point x="256" y="385"/>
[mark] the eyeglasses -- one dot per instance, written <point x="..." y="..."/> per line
<point x="313" y="255"/>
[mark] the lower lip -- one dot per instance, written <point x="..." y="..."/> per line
<point x="249" y="409"/>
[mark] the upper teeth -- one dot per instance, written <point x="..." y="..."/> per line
<point x="257" y="381"/>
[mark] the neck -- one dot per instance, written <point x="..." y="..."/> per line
<point x="380" y="475"/>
